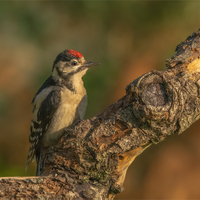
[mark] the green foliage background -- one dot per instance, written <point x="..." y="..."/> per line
<point x="129" y="38"/>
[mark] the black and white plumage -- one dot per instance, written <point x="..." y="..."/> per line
<point x="60" y="102"/>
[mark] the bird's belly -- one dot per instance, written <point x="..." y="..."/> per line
<point x="64" y="117"/>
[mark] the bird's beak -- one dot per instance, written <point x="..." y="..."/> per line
<point x="90" y="64"/>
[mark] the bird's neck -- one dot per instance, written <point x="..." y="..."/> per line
<point x="77" y="82"/>
<point x="72" y="82"/>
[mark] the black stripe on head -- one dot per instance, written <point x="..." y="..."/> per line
<point x="75" y="72"/>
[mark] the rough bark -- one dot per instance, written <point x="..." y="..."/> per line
<point x="91" y="159"/>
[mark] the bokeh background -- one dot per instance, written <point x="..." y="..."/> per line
<point x="129" y="38"/>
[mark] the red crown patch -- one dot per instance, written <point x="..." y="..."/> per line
<point x="74" y="53"/>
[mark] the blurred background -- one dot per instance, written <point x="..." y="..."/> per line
<point x="129" y="38"/>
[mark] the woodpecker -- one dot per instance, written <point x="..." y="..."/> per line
<point x="60" y="102"/>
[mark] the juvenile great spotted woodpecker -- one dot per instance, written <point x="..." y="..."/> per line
<point x="60" y="102"/>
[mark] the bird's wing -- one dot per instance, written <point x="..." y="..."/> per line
<point x="49" y="82"/>
<point x="42" y="115"/>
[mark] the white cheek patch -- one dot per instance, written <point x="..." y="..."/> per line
<point x="70" y="69"/>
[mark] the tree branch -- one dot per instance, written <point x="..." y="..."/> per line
<point x="91" y="159"/>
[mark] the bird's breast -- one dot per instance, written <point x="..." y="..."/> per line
<point x="71" y="108"/>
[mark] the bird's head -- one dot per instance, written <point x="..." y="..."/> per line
<point x="69" y="63"/>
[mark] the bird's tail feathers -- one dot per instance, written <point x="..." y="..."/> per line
<point x="40" y="165"/>
<point x="31" y="156"/>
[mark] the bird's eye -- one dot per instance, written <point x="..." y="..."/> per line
<point x="73" y="63"/>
